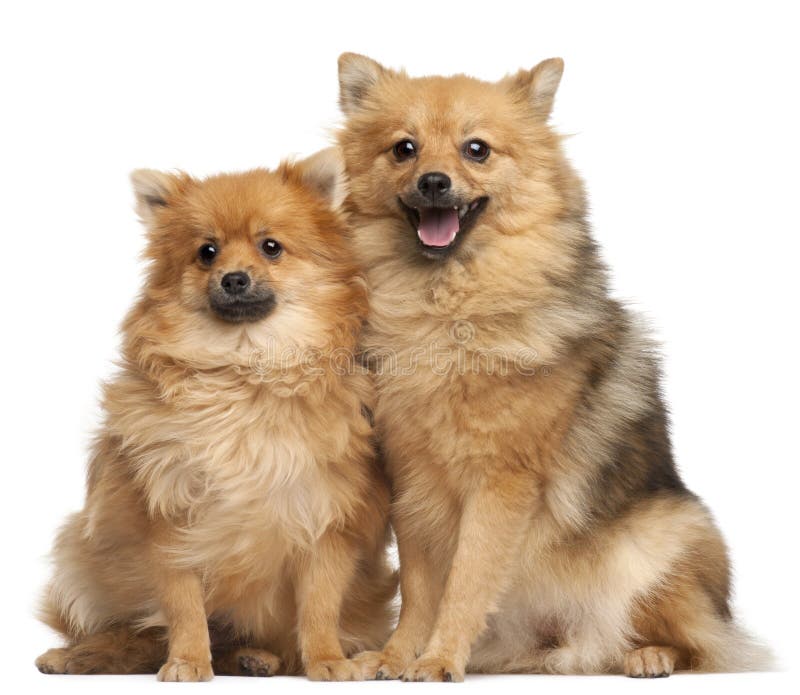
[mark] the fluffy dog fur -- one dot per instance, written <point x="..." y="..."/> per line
<point x="233" y="484"/>
<point x="541" y="523"/>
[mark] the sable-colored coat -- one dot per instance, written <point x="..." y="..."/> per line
<point x="234" y="479"/>
<point x="540" y="520"/>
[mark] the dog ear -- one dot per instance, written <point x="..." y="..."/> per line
<point x="323" y="172"/>
<point x="538" y="86"/>
<point x="155" y="190"/>
<point x="357" y="75"/>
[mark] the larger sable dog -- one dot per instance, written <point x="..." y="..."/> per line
<point x="541" y="523"/>
<point x="234" y="479"/>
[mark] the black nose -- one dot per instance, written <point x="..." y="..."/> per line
<point x="433" y="185"/>
<point x="235" y="283"/>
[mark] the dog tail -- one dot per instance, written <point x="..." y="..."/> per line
<point x="733" y="650"/>
<point x="370" y="610"/>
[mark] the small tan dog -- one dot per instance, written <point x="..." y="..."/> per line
<point x="233" y="485"/>
<point x="540" y="520"/>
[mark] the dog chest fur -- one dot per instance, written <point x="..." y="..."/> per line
<point x="228" y="456"/>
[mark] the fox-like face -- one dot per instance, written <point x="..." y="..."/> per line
<point x="446" y="155"/>
<point x="261" y="252"/>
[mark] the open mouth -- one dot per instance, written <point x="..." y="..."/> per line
<point x="440" y="229"/>
<point x="243" y="310"/>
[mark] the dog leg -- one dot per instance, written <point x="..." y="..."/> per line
<point x="490" y="533"/>
<point x="189" y="656"/>
<point x="421" y="589"/>
<point x="322" y="581"/>
<point x="119" y="651"/>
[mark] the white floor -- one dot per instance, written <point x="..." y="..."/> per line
<point x="756" y="684"/>
<point x="34" y="638"/>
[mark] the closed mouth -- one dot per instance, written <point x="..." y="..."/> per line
<point x="243" y="310"/>
<point x="441" y="228"/>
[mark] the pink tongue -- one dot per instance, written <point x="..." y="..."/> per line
<point x="437" y="227"/>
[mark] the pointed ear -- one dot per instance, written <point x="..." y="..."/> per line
<point x="357" y="75"/>
<point x="323" y="172"/>
<point x="538" y="86"/>
<point x="154" y="190"/>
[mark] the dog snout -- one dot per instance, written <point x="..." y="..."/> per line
<point x="235" y="283"/>
<point x="434" y="185"/>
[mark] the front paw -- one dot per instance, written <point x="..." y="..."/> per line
<point x="334" y="670"/>
<point x="433" y="668"/>
<point x="181" y="670"/>
<point x="382" y="666"/>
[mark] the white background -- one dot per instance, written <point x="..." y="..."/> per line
<point x="685" y="126"/>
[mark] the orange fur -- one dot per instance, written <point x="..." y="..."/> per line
<point x="540" y="520"/>
<point x="234" y="482"/>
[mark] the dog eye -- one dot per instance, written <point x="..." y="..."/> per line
<point x="271" y="248"/>
<point x="476" y="150"/>
<point x="207" y="253"/>
<point x="405" y="149"/>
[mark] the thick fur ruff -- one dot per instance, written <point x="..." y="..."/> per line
<point x="228" y="464"/>
<point x="542" y="525"/>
